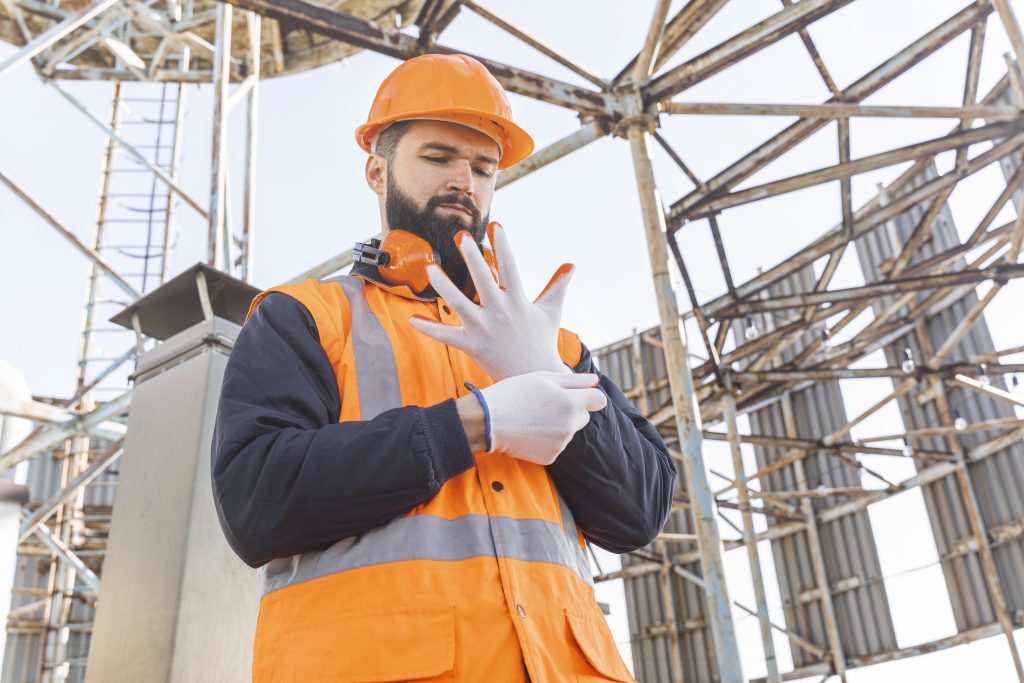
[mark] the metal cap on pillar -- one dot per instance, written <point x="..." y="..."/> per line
<point x="184" y="301"/>
<point x="175" y="602"/>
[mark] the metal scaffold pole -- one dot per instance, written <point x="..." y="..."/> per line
<point x="687" y="417"/>
<point x="217" y="248"/>
<point x="750" y="535"/>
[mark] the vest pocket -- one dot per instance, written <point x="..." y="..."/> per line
<point x="388" y="644"/>
<point x="597" y="645"/>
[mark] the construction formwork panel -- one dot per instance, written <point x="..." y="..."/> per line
<point x="652" y="600"/>
<point x="637" y="366"/>
<point x="24" y="654"/>
<point x="998" y="480"/>
<point x="848" y="547"/>
<point x="649" y="615"/>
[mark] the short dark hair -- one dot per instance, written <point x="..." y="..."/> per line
<point x="388" y="139"/>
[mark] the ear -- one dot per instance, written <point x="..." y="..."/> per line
<point x="376" y="173"/>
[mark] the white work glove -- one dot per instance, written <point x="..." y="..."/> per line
<point x="507" y="334"/>
<point x="534" y="416"/>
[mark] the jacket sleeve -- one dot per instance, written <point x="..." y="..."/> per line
<point x="287" y="476"/>
<point x="616" y="473"/>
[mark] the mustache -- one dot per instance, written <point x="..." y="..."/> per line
<point x="457" y="199"/>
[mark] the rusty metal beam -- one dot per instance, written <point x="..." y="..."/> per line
<point x="847" y="169"/>
<point x="537" y="44"/>
<point x="796" y="639"/>
<point x="50" y="505"/>
<point x="970" y="636"/>
<point x="839" y="110"/>
<point x="684" y="401"/>
<point x="863" y="344"/>
<point x="742" y="45"/>
<point x="862" y="88"/>
<point x="362" y="33"/>
<point x="845" y="197"/>
<point x="963" y="327"/>
<point x="986" y="388"/>
<point x="836" y="651"/>
<point x="683" y="26"/>
<point x="984" y="425"/>
<point x="923" y="477"/>
<point x="652" y="44"/>
<point x="812" y="52"/>
<point x="70" y="236"/>
<point x="589" y="132"/>
<point x="1011" y="25"/>
<point x="750" y="535"/>
<point x="996" y="444"/>
<point x="702" y="322"/>
<point x="821" y="492"/>
<point x="82" y="39"/>
<point x="723" y="260"/>
<point x="55" y="33"/>
<point x="1001" y="272"/>
<point x="827" y="374"/>
<point x="879" y="216"/>
<point x="968" y="495"/>
<point x="921" y="233"/>
<point x="48" y="438"/>
<point x="867" y="218"/>
<point x="678" y="160"/>
<point x="796" y="445"/>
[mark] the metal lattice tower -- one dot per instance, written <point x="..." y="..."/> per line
<point x="134" y="233"/>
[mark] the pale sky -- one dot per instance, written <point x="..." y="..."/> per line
<point x="313" y="203"/>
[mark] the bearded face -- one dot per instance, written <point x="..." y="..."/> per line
<point x="437" y="222"/>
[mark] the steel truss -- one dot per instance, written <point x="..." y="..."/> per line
<point x="764" y="367"/>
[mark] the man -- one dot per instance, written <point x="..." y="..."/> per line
<point x="415" y="468"/>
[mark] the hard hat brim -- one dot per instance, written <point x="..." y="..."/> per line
<point x="515" y="146"/>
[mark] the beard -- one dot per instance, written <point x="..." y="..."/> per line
<point x="438" y="230"/>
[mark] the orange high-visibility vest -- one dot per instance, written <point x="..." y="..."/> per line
<point x="486" y="578"/>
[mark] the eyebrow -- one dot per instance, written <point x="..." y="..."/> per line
<point x="441" y="147"/>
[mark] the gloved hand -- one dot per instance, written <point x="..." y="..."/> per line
<point x="534" y="416"/>
<point x="507" y="335"/>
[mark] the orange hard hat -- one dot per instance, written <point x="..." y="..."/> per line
<point x="453" y="88"/>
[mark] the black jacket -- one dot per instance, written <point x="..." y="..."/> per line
<point x="289" y="478"/>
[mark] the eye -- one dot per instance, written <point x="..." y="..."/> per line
<point x="435" y="160"/>
<point x="483" y="172"/>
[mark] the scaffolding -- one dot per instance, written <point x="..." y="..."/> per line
<point x="769" y="346"/>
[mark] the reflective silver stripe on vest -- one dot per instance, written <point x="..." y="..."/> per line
<point x="428" y="537"/>
<point x="376" y="373"/>
<point x="579" y="554"/>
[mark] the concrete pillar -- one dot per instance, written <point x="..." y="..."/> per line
<point x="175" y="603"/>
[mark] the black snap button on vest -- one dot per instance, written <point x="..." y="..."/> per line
<point x="497" y="486"/>
<point x="446" y="310"/>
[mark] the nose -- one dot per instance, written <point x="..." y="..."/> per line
<point x="461" y="179"/>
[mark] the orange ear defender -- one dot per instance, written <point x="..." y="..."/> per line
<point x="402" y="259"/>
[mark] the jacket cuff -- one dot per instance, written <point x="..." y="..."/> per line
<point x="447" y="444"/>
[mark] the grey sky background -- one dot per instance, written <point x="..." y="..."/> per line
<point x="313" y="203"/>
